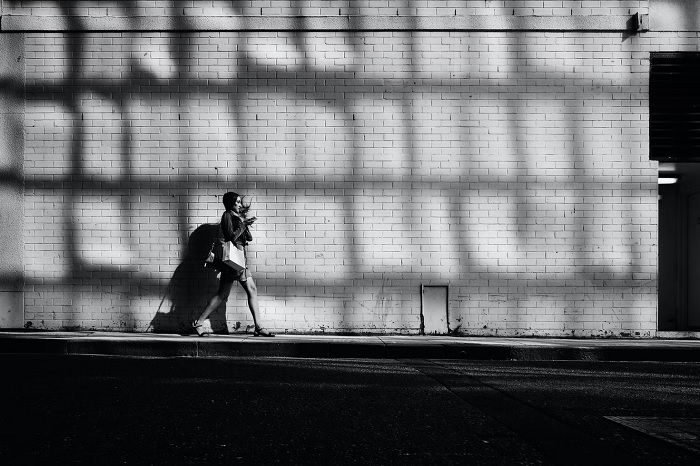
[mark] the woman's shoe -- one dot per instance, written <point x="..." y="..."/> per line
<point x="199" y="329"/>
<point x="261" y="332"/>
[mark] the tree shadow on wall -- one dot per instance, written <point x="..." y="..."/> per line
<point x="191" y="287"/>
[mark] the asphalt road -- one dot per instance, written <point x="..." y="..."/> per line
<point x="109" y="410"/>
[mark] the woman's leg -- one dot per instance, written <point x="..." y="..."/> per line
<point x="221" y="296"/>
<point x="252" y="291"/>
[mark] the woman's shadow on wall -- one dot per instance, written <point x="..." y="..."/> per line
<point x="191" y="287"/>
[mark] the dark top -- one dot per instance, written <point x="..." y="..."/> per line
<point x="234" y="229"/>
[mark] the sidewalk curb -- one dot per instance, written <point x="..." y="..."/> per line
<point x="338" y="347"/>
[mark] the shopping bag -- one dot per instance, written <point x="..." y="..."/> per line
<point x="233" y="257"/>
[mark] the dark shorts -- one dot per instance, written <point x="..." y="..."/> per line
<point x="228" y="274"/>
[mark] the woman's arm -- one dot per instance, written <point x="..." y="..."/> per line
<point x="232" y="227"/>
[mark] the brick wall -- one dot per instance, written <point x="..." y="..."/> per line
<point x="170" y="8"/>
<point x="11" y="197"/>
<point x="511" y="166"/>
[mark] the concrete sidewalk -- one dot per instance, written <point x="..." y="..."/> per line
<point x="334" y="346"/>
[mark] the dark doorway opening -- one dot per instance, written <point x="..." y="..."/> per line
<point x="679" y="247"/>
<point x="674" y="141"/>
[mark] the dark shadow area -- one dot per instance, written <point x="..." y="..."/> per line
<point x="189" y="409"/>
<point x="190" y="287"/>
<point x="633" y="26"/>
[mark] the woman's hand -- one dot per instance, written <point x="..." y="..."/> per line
<point x="250" y="221"/>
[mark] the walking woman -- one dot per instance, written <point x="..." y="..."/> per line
<point x="234" y="228"/>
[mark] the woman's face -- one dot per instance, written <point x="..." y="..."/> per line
<point x="237" y="206"/>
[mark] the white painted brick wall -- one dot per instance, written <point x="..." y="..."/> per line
<point x="511" y="166"/>
<point x="330" y="7"/>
